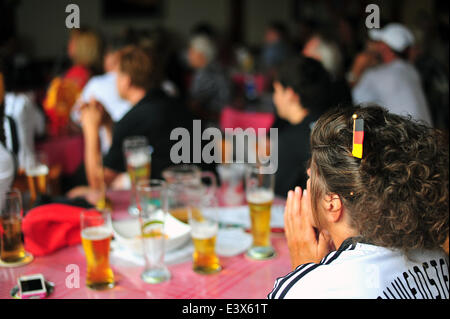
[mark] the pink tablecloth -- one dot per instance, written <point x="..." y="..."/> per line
<point x="240" y="277"/>
<point x="68" y="151"/>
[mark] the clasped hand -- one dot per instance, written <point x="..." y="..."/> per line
<point x="304" y="244"/>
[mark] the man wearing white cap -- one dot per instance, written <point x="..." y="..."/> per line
<point x="393" y="82"/>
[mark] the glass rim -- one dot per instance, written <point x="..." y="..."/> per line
<point x="101" y="214"/>
<point x="14" y="192"/>
<point x="151" y="184"/>
<point x="255" y="168"/>
<point x="138" y="140"/>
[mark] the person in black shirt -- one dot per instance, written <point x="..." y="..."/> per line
<point x="301" y="95"/>
<point x="153" y="116"/>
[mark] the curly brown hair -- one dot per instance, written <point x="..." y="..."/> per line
<point x="397" y="194"/>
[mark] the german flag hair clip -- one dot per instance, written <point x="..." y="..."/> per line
<point x="358" y="136"/>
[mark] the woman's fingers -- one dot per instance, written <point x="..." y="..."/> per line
<point x="287" y="213"/>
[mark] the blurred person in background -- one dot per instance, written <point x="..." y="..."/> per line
<point x="25" y="119"/>
<point x="384" y="76"/>
<point x="276" y="49"/>
<point x="329" y="54"/>
<point x="153" y="115"/>
<point x="434" y="75"/>
<point x="84" y="50"/>
<point x="210" y="88"/>
<point x="102" y="89"/>
<point x="301" y="95"/>
<point x="7" y="167"/>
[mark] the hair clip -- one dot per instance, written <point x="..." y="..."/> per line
<point x="358" y="136"/>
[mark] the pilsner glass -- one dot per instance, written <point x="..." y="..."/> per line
<point x="259" y="193"/>
<point x="37" y="169"/>
<point x="138" y="160"/>
<point x="12" y="249"/>
<point x="152" y="205"/>
<point x="96" y="234"/>
<point x="204" y="229"/>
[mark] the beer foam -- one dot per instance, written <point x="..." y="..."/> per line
<point x="260" y="196"/>
<point x="38" y="170"/>
<point x="138" y="159"/>
<point x="96" y="233"/>
<point x="204" y="230"/>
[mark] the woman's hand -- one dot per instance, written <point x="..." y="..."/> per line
<point x="304" y="246"/>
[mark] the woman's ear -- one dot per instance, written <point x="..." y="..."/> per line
<point x="333" y="208"/>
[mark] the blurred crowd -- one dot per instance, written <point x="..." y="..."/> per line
<point x="146" y="82"/>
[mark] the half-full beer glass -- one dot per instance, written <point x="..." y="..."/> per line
<point x="96" y="234"/>
<point x="12" y="249"/>
<point x="152" y="205"/>
<point x="259" y="193"/>
<point x="138" y="160"/>
<point x="204" y="228"/>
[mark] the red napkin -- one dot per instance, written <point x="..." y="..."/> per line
<point x="48" y="228"/>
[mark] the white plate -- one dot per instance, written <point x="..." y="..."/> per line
<point x="127" y="232"/>
<point x="232" y="242"/>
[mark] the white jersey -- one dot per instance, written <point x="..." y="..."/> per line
<point x="363" y="271"/>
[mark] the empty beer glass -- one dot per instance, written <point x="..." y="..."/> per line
<point x="259" y="194"/>
<point x="152" y="205"/>
<point x="138" y="160"/>
<point x="96" y="235"/>
<point x="12" y="249"/>
<point x="177" y="178"/>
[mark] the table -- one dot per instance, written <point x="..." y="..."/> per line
<point x="240" y="278"/>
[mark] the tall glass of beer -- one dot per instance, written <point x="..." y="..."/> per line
<point x="259" y="194"/>
<point x="37" y="169"/>
<point x="204" y="228"/>
<point x="138" y="161"/>
<point x="96" y="234"/>
<point x="152" y="205"/>
<point x="12" y="249"/>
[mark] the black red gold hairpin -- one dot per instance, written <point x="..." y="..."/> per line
<point x="358" y="136"/>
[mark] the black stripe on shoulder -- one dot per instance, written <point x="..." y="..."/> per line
<point x="296" y="279"/>
<point x="280" y="281"/>
<point x="339" y="252"/>
<point x="348" y="244"/>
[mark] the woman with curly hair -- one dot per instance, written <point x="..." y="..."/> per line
<point x="386" y="212"/>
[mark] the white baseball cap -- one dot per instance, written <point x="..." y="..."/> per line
<point x="395" y="35"/>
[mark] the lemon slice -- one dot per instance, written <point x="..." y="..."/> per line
<point x="149" y="231"/>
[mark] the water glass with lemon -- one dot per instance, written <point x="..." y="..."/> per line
<point x="152" y="204"/>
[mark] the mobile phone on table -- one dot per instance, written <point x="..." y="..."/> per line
<point x="32" y="287"/>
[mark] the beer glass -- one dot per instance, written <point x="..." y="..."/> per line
<point x="12" y="249"/>
<point x="259" y="194"/>
<point x="177" y="178"/>
<point x="96" y="234"/>
<point x="152" y="205"/>
<point x="138" y="161"/>
<point x="204" y="229"/>
<point x="37" y="169"/>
